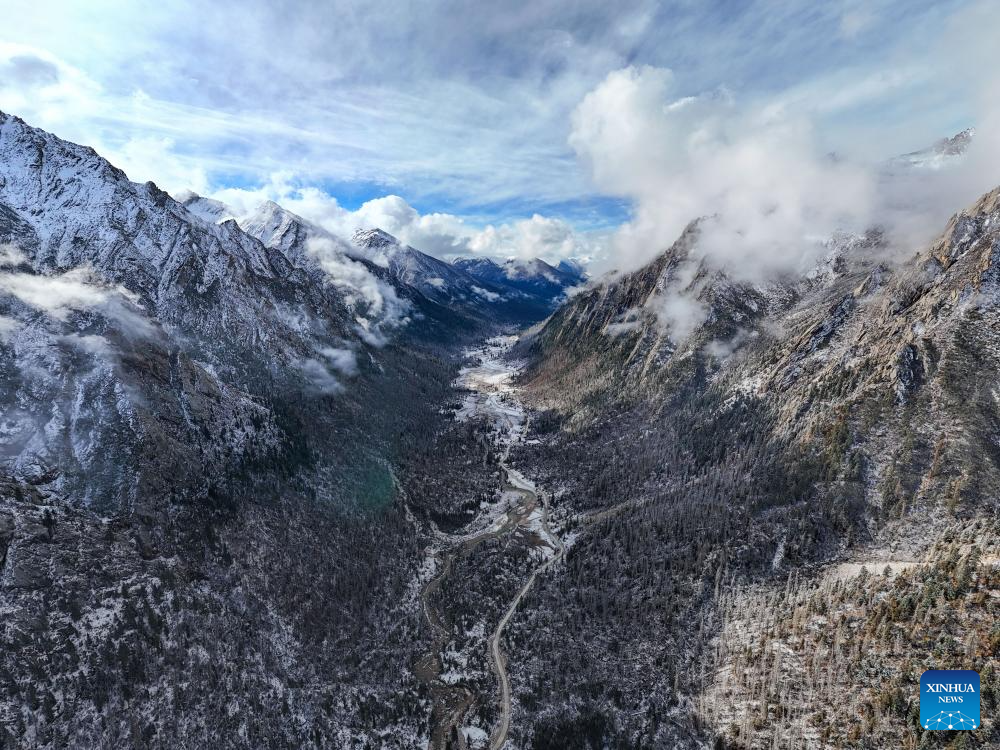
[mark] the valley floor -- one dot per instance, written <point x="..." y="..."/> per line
<point x="518" y="520"/>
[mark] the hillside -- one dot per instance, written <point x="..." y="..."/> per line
<point x="201" y="526"/>
<point x="710" y="471"/>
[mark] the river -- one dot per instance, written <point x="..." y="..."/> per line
<point x="491" y="395"/>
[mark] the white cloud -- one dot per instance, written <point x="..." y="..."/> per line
<point x="97" y="346"/>
<point x="440" y="234"/>
<point x="11" y="255"/>
<point x="757" y="171"/>
<point x="538" y="237"/>
<point x="914" y="204"/>
<point x="486" y="294"/>
<point x="344" y="361"/>
<point x="318" y="374"/>
<point x="58" y="295"/>
<point x="377" y="305"/>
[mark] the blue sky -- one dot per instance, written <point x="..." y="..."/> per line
<point x="465" y="111"/>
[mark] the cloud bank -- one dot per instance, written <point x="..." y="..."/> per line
<point x="444" y="235"/>
<point x="771" y="194"/>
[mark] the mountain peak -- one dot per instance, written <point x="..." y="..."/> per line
<point x="374" y="238"/>
<point x="939" y="154"/>
<point x="206" y="209"/>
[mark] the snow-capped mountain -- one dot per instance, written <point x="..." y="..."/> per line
<point x="936" y="156"/>
<point x="529" y="278"/>
<point x="443" y="296"/>
<point x="766" y="434"/>
<point x="435" y="278"/>
<point x="137" y="326"/>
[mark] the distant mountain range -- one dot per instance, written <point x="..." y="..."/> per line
<point x="520" y="293"/>
<point x="532" y="279"/>
<point x="938" y="154"/>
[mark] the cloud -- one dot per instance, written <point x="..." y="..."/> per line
<point x="757" y="171"/>
<point x="331" y="361"/>
<point x="759" y="174"/>
<point x="441" y="234"/>
<point x="445" y="235"/>
<point x="95" y="345"/>
<point x="11" y="255"/>
<point x="538" y="237"/>
<point x="485" y="293"/>
<point x="56" y="295"/>
<point x="344" y="361"/>
<point x="723" y="349"/>
<point x="59" y="295"/>
<point x="318" y="374"/>
<point x="377" y="306"/>
<point x="31" y="70"/>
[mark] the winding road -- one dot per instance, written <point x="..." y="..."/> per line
<point x="499" y="736"/>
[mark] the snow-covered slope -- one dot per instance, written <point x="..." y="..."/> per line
<point x="140" y="338"/>
<point x="530" y="279"/>
<point x="435" y="278"/>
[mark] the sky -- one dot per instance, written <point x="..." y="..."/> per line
<point x="556" y="129"/>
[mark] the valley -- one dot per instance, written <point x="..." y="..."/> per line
<point x="519" y="517"/>
<point x="267" y="486"/>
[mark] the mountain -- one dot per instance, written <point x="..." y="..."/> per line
<point x="436" y="279"/>
<point x="748" y="449"/>
<point x="202" y="427"/>
<point x="531" y="280"/>
<point x="937" y="155"/>
<point x="515" y="292"/>
<point x="264" y="486"/>
<point x="192" y="328"/>
<point x="445" y="299"/>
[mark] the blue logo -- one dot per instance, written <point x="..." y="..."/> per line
<point x="949" y="699"/>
